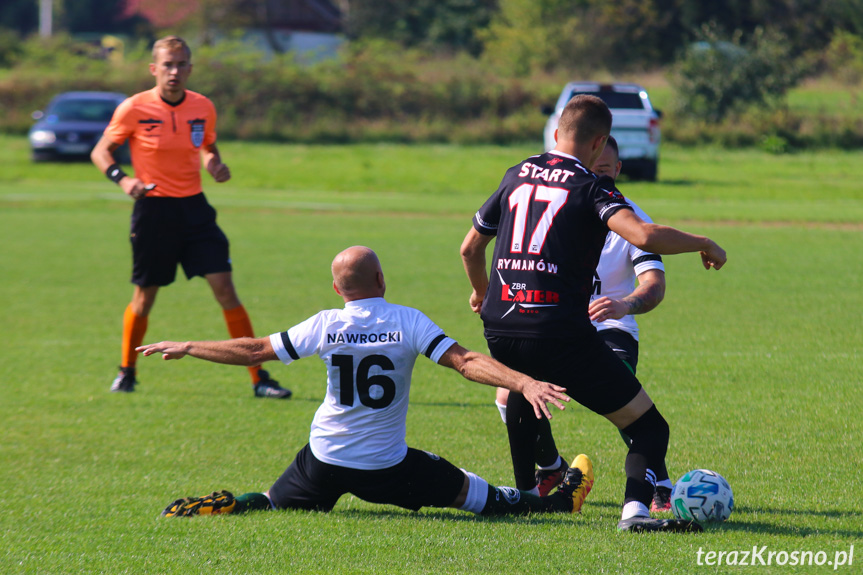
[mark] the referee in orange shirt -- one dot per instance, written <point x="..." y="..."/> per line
<point x="171" y="131"/>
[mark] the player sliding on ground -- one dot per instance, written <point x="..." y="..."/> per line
<point x="357" y="442"/>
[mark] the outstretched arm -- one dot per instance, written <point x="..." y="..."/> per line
<point x="645" y="297"/>
<point x="660" y="239"/>
<point x="246" y="351"/>
<point x="481" y="368"/>
<point x="473" y="259"/>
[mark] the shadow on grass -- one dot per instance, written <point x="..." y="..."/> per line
<point x="764" y="527"/>
<point x="677" y="183"/>
<point x="835" y="513"/>
<point x="789" y="530"/>
<point x="428" y="514"/>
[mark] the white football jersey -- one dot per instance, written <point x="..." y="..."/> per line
<point x="619" y="265"/>
<point x="370" y="348"/>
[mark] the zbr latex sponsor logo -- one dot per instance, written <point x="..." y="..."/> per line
<point x="524" y="298"/>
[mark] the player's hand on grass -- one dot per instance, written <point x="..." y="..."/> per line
<point x="168" y="349"/>
<point x="714" y="257"/>
<point x="540" y="393"/>
<point x="605" y="308"/>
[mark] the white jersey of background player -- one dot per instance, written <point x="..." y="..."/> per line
<point x="619" y="265"/>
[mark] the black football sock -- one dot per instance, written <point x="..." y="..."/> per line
<point x="510" y="501"/>
<point x="661" y="472"/>
<point x="521" y="426"/>
<point x="649" y="435"/>
<point x="252" y="502"/>
<point x="546" y="453"/>
<point x="626" y="439"/>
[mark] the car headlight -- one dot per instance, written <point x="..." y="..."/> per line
<point x="43" y="137"/>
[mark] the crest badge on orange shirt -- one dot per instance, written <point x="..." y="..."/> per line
<point x="197" y="132"/>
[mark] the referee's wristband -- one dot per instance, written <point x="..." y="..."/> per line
<point x="115" y="173"/>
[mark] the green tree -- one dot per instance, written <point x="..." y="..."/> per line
<point x="844" y="57"/>
<point x="721" y="75"/>
<point x="531" y="35"/>
<point x="633" y="33"/>
<point x="437" y="24"/>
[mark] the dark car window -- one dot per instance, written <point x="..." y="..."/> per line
<point x="83" y="110"/>
<point x="617" y="100"/>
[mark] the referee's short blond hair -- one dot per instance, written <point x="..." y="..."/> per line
<point x="172" y="44"/>
<point x="584" y="118"/>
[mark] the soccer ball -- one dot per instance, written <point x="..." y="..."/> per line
<point x="702" y="495"/>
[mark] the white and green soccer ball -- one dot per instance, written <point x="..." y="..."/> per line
<point x="702" y="495"/>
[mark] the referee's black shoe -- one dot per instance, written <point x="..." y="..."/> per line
<point x="269" y="387"/>
<point x="125" y="380"/>
<point x="640" y="524"/>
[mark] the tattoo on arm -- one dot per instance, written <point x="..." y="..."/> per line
<point x="647" y="298"/>
<point x="635" y="303"/>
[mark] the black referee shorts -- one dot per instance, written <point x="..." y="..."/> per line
<point x="170" y="231"/>
<point x="422" y="479"/>
<point x="591" y="373"/>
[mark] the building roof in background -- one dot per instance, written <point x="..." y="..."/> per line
<point x="305" y="15"/>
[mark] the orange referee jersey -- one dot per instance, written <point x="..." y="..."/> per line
<point x="165" y="140"/>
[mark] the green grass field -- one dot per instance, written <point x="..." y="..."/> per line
<point x="756" y="367"/>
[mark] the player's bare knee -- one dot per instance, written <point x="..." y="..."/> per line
<point x="632" y="411"/>
<point x="462" y="496"/>
<point x="143" y="299"/>
<point x="224" y="290"/>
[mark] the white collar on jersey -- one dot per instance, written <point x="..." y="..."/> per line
<point x="364" y="302"/>
<point x="565" y="155"/>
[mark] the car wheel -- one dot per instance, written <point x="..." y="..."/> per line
<point x="649" y="171"/>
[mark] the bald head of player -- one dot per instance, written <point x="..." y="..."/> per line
<point x="357" y="274"/>
<point x="584" y="126"/>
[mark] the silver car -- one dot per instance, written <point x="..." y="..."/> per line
<point x="635" y="125"/>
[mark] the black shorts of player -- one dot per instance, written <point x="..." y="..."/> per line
<point x="591" y="373"/>
<point x="623" y="344"/>
<point x="422" y="479"/>
<point x="170" y="231"/>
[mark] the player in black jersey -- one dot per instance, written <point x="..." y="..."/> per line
<point x="550" y="217"/>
